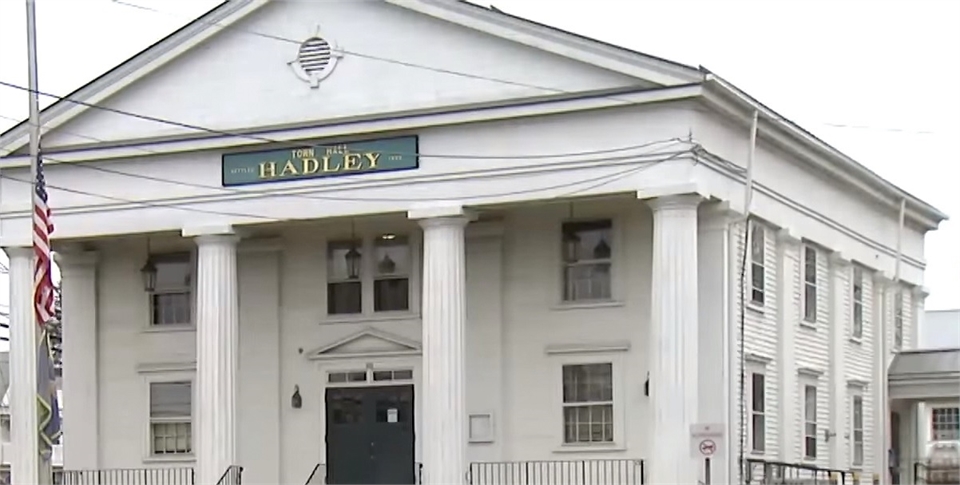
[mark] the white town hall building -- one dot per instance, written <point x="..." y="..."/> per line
<point x="400" y="241"/>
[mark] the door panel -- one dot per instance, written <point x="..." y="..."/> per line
<point x="370" y="436"/>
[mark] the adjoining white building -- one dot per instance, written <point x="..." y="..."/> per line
<point x="488" y="250"/>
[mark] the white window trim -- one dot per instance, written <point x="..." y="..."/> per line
<point x="857" y="392"/>
<point x="751" y="369"/>
<point x="934" y="408"/>
<point x="367" y="276"/>
<point x="804" y="382"/>
<point x="617" y="255"/>
<point x="762" y="263"/>
<point x="149" y="327"/>
<point x="804" y="284"/>
<point x="854" y="268"/>
<point x="580" y="357"/>
<point x="314" y="391"/>
<point x="150" y="377"/>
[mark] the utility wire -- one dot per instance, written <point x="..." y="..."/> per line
<point x="596" y="182"/>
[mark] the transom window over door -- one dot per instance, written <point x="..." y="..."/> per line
<point x="171" y="414"/>
<point x="171" y="299"/>
<point x="587" y="258"/>
<point x="588" y="403"/>
<point x="369" y="274"/>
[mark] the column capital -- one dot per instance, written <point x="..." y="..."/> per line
<point x="208" y="230"/>
<point x="18" y="251"/>
<point x="688" y="201"/>
<point x="440" y="210"/>
<point x="76" y="260"/>
<point x="717" y="216"/>
<point x="920" y="293"/>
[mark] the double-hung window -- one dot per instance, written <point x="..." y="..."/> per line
<point x="757" y="267"/>
<point x="171" y="300"/>
<point x="857" y="331"/>
<point x="898" y="320"/>
<point x="810" y="421"/>
<point x="758" y="412"/>
<point x="377" y="269"/>
<point x="809" y="284"/>
<point x="946" y="424"/>
<point x="588" y="403"/>
<point x="857" y="435"/>
<point x="587" y="260"/>
<point x="171" y="418"/>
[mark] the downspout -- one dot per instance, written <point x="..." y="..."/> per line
<point x="886" y="431"/>
<point x="741" y="316"/>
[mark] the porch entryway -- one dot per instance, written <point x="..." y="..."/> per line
<point x="370" y="435"/>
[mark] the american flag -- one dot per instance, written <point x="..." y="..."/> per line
<point x="42" y="228"/>
<point x="44" y="309"/>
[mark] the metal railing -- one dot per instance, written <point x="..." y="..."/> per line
<point x="233" y="476"/>
<point x="130" y="476"/>
<point x="570" y="472"/>
<point x="779" y="473"/>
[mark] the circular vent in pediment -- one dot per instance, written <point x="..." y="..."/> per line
<point x="315" y="55"/>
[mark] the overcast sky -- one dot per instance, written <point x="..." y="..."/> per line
<point x="877" y="79"/>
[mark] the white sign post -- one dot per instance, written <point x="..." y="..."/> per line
<point x="707" y="442"/>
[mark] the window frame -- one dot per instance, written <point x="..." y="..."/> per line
<point x="159" y="257"/>
<point x="161" y="378"/>
<point x="563" y="357"/>
<point x="753" y="413"/>
<point x="755" y="291"/>
<point x="807" y="422"/>
<point x="368" y="276"/>
<point x="809" y="318"/>
<point x="855" y="445"/>
<point x="616" y="255"/>
<point x="933" y="422"/>
<point x="857" y="287"/>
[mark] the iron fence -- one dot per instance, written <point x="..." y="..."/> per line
<point x="232" y="476"/>
<point x="130" y="476"/>
<point x="571" y="472"/>
<point x="764" y="472"/>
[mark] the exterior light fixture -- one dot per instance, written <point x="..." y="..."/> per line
<point x="296" y="402"/>
<point x="353" y="256"/>
<point x="149" y="272"/>
<point x="571" y="247"/>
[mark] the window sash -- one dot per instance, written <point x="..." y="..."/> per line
<point x="898" y="320"/>
<point x="587" y="401"/>
<point x="857" y="434"/>
<point x="945" y="424"/>
<point x="758" y="413"/>
<point x="757" y="265"/>
<point x="809" y="284"/>
<point x="857" y="302"/>
<point x="810" y="421"/>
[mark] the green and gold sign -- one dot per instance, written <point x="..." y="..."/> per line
<point x="321" y="160"/>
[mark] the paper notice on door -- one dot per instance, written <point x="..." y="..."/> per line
<point x="392" y="415"/>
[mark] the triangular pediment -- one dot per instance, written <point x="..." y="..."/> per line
<point x="244" y="69"/>
<point x="366" y="343"/>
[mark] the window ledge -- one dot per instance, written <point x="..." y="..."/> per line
<point x="586" y="305"/>
<point x="756" y="307"/>
<point x="855" y="340"/>
<point x="590" y="448"/>
<point x="170" y="459"/>
<point x="180" y="327"/>
<point x="368" y="318"/>
<point x="812" y="326"/>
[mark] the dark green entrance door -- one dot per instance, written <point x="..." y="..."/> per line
<point x="370" y="435"/>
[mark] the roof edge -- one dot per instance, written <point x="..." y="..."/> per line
<point x="130" y="70"/>
<point x="921" y="211"/>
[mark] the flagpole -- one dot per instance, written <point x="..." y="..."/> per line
<point x="45" y="471"/>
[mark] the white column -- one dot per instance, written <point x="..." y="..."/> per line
<point x="444" y="355"/>
<point x="217" y="356"/>
<point x="81" y="418"/>
<point x="788" y="318"/>
<point x="840" y="317"/>
<point x="716" y="325"/>
<point x="674" y="319"/>
<point x="24" y="432"/>
<point x="881" y="285"/>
